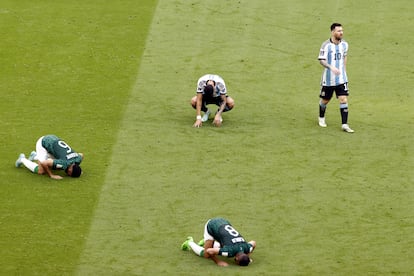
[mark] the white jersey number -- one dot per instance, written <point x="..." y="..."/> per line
<point x="65" y="146"/>
<point x="231" y="230"/>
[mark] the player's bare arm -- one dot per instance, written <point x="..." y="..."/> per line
<point x="211" y="252"/>
<point x="217" y="118"/>
<point x="223" y="105"/>
<point x="198" y="122"/>
<point x="325" y="64"/>
<point x="253" y="244"/>
<point x="46" y="165"/>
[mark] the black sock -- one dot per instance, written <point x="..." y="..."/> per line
<point x="322" y="109"/>
<point x="344" y="113"/>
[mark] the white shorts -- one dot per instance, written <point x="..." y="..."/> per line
<point x="207" y="236"/>
<point x="41" y="152"/>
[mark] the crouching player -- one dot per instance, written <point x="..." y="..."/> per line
<point x="221" y="238"/>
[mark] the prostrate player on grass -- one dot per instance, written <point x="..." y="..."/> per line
<point x="220" y="238"/>
<point x="52" y="153"/>
<point x="211" y="89"/>
<point x="333" y="57"/>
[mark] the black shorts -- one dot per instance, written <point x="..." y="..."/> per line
<point x="212" y="100"/>
<point x="340" y="90"/>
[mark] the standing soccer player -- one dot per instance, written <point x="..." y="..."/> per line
<point x="333" y="56"/>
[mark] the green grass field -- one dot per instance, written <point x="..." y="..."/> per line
<point x="115" y="79"/>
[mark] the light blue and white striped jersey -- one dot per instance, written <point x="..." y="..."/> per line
<point x="220" y="88"/>
<point x="334" y="54"/>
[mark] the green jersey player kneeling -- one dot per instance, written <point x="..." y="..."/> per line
<point x="221" y="238"/>
<point x="52" y="153"/>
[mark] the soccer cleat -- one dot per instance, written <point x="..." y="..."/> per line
<point x="201" y="242"/>
<point x="346" y="128"/>
<point x="205" y="116"/>
<point x="185" y="245"/>
<point x="322" y="122"/>
<point x="32" y="156"/>
<point x="19" y="160"/>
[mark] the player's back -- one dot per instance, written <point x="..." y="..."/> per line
<point x="57" y="147"/>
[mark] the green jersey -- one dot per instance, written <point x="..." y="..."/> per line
<point x="231" y="242"/>
<point x="63" y="154"/>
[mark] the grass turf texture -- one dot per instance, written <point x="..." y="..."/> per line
<point x="317" y="201"/>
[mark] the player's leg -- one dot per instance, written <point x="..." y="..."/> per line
<point x="22" y="160"/>
<point x="342" y="93"/>
<point x="208" y="241"/>
<point x="41" y="152"/>
<point x="189" y="244"/>
<point x="32" y="166"/>
<point x="28" y="163"/>
<point x="206" y="111"/>
<point x="197" y="249"/>
<point x="203" y="108"/>
<point x="343" y="108"/>
<point x="194" y="102"/>
<point x="325" y="96"/>
<point x="33" y="156"/>
<point x="229" y="104"/>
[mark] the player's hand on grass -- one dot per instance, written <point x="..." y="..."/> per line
<point x="222" y="263"/>
<point x="198" y="123"/>
<point x="217" y="121"/>
<point x="55" y="176"/>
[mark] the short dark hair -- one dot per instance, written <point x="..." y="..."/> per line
<point x="76" y="170"/>
<point x="334" y="25"/>
<point x="208" y="89"/>
<point x="243" y="260"/>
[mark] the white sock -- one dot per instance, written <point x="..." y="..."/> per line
<point x="32" y="166"/>
<point x="198" y="250"/>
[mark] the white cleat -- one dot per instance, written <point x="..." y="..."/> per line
<point x="205" y="116"/>
<point x="322" y="122"/>
<point x="32" y="156"/>
<point x="19" y="160"/>
<point x="346" y="128"/>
